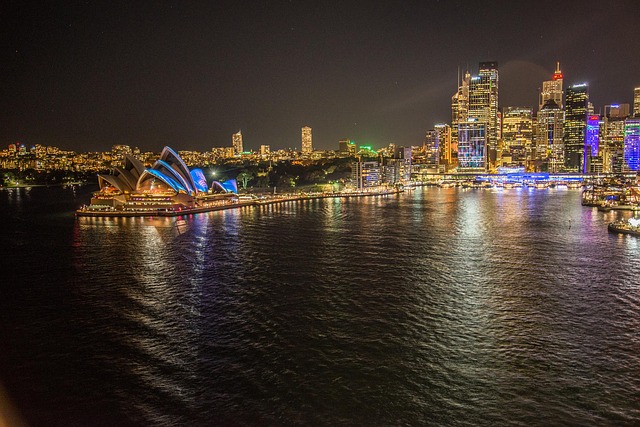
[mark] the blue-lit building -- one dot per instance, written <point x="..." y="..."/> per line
<point x="632" y="144"/>
<point x="472" y="146"/>
<point x="168" y="185"/>
<point x="592" y="162"/>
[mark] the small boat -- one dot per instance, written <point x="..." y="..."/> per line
<point x="631" y="227"/>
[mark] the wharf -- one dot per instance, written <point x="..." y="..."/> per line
<point x="114" y="213"/>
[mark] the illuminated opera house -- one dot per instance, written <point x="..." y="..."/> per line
<point x="168" y="187"/>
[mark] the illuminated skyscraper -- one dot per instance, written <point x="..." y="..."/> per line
<point x="483" y="104"/>
<point x="445" y="146"/>
<point x="237" y="142"/>
<point x="472" y="146"/>
<point x="612" y="137"/>
<point x="636" y="102"/>
<point x="592" y="162"/>
<point x="460" y="105"/>
<point x="517" y="134"/>
<point x="576" y="109"/>
<point x="632" y="144"/>
<point x="307" y="145"/>
<point x="549" y="146"/>
<point x="431" y="147"/>
<point x="552" y="89"/>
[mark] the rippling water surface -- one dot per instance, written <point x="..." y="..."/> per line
<point x="435" y="307"/>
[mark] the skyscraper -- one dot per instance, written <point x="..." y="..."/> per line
<point x="552" y="89"/>
<point x="632" y="144"/>
<point x="307" y="145"/>
<point x="549" y="145"/>
<point x="460" y="105"/>
<point x="576" y="109"/>
<point x="237" y="142"/>
<point x="445" y="146"/>
<point x="517" y="134"/>
<point x="636" y="102"/>
<point x="483" y="104"/>
<point x="612" y="137"/>
<point x="592" y="162"/>
<point x="431" y="147"/>
<point x="472" y="146"/>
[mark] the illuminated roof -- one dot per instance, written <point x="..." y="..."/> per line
<point x="152" y="173"/>
<point x="169" y="168"/>
<point x="229" y="186"/>
<point x="199" y="180"/>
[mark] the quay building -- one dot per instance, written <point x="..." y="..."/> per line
<point x="166" y="187"/>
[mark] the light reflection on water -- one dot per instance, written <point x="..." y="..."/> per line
<point x="483" y="307"/>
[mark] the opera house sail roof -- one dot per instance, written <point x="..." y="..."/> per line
<point x="168" y="174"/>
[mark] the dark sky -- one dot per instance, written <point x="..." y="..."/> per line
<point x="87" y="75"/>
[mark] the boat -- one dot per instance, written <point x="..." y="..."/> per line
<point x="631" y="227"/>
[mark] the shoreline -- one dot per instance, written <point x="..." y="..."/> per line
<point x="196" y="210"/>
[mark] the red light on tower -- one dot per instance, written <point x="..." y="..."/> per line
<point x="557" y="75"/>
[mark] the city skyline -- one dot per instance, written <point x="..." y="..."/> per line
<point x="86" y="77"/>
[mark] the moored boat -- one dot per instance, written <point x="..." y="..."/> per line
<point x="631" y="227"/>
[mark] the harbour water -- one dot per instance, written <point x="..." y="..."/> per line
<point x="439" y="306"/>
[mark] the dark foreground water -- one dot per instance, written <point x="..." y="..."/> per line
<point x="437" y="307"/>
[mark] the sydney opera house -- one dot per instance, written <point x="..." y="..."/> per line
<point x="168" y="187"/>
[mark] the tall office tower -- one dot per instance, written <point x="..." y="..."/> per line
<point x="445" y="148"/>
<point x="576" y="109"/>
<point x="431" y="147"/>
<point x="307" y="145"/>
<point x="592" y="162"/>
<point x="237" y="142"/>
<point x="265" y="150"/>
<point x="472" y="146"/>
<point x="632" y="144"/>
<point x="483" y="104"/>
<point x="549" y="146"/>
<point x="460" y="105"/>
<point x="636" y="102"/>
<point x="612" y="137"/>
<point x="517" y="134"/>
<point x="552" y="89"/>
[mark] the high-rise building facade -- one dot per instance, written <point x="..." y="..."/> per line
<point x="517" y="134"/>
<point x="366" y="174"/>
<point x="549" y="144"/>
<point x="236" y="140"/>
<point x="483" y="105"/>
<point x="612" y="137"/>
<point x="445" y="148"/>
<point x="576" y="109"/>
<point x="632" y="144"/>
<point x="472" y="146"/>
<point x="592" y="162"/>
<point x="431" y="147"/>
<point x="307" y="144"/>
<point x="552" y="89"/>
<point x="460" y="105"/>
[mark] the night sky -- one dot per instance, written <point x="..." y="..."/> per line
<point x="86" y="75"/>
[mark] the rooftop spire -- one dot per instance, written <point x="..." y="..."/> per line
<point x="557" y="75"/>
